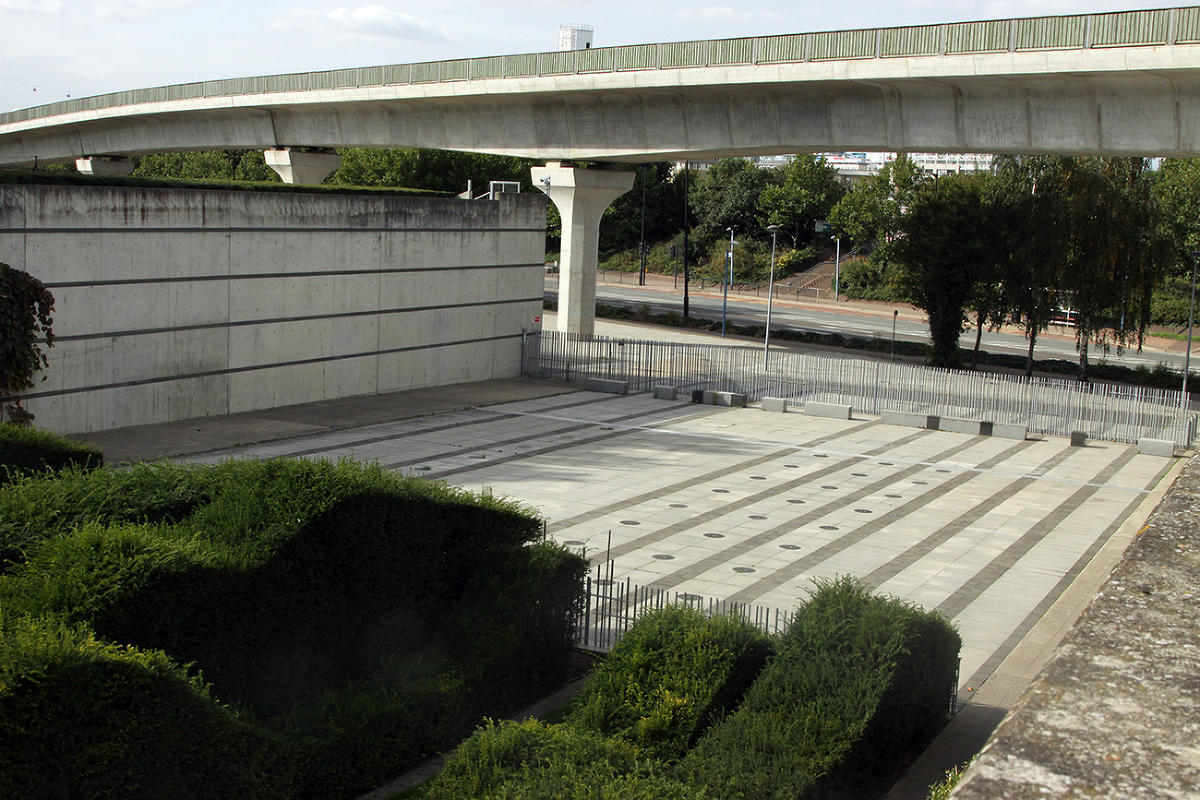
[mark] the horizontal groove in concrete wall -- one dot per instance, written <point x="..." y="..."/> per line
<point x="257" y="367"/>
<point x="240" y="229"/>
<point x="304" y="318"/>
<point x="249" y="276"/>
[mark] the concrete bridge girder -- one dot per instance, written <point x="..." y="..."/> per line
<point x="581" y="195"/>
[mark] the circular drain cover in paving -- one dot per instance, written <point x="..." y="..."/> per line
<point x="678" y="505"/>
<point x="820" y="455"/>
<point x="715" y="535"/>
<point x="829" y="527"/>
<point x="895" y="496"/>
<point x="743" y="569"/>
<point x="921" y="483"/>
<point x="794" y="500"/>
<point x="864" y="511"/>
<point x="758" y="477"/>
<point x="792" y="466"/>
<point x="828" y="486"/>
<point x="630" y="522"/>
<point x="859" y="474"/>
<point x="606" y="427"/>
<point x="721" y="491"/>
<point x="943" y="470"/>
<point x="663" y="556"/>
<point x="757" y="516"/>
<point x="572" y="543"/>
<point x="885" y="463"/>
<point x="480" y="456"/>
<point x="789" y="546"/>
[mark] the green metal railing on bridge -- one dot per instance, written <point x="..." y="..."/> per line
<point x="1169" y="26"/>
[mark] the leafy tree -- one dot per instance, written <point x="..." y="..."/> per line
<point x="25" y="307"/>
<point x="621" y="228"/>
<point x="942" y="253"/>
<point x="806" y="190"/>
<point x="436" y="170"/>
<point x="727" y="196"/>
<point x="869" y="214"/>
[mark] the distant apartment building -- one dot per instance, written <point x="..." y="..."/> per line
<point x="853" y="167"/>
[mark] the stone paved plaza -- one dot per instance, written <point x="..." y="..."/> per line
<point x="750" y="506"/>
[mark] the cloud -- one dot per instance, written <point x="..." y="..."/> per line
<point x="138" y="9"/>
<point x="366" y="21"/>
<point x="38" y="6"/>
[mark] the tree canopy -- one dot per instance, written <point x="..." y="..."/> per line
<point x="25" y="309"/>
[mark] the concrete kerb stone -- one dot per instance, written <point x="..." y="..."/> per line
<point x="607" y="385"/>
<point x="775" y="404"/>
<point x="828" y="410"/>
<point x="1156" y="447"/>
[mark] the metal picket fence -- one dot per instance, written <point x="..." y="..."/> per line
<point x="1051" y="406"/>
<point x="611" y="606"/>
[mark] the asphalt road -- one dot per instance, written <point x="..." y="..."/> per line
<point x="852" y="322"/>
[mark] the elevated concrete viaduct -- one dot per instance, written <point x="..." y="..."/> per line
<point x="1124" y="83"/>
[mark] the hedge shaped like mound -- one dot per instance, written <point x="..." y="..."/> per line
<point x="669" y="677"/>
<point x="72" y="707"/>
<point x="531" y="760"/>
<point x="347" y="606"/>
<point x="27" y="451"/>
<point x="858" y="681"/>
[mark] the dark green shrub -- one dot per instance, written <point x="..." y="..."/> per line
<point x="27" y="451"/>
<point x="311" y="594"/>
<point x="858" y="681"/>
<point x="83" y="718"/>
<point x="35" y="509"/>
<point x="671" y="675"/>
<point x="534" y="761"/>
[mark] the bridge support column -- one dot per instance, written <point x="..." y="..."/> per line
<point x="302" y="166"/>
<point x="581" y="195"/>
<point x="104" y="165"/>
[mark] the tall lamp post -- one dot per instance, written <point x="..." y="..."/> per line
<point x="1187" y="355"/>
<point x="729" y="280"/>
<point x="837" y="267"/>
<point x="774" y="229"/>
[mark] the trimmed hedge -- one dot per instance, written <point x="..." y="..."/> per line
<point x="27" y="451"/>
<point x="367" y="619"/>
<point x="669" y="677"/>
<point x="533" y="761"/>
<point x="859" y="680"/>
<point x="80" y="717"/>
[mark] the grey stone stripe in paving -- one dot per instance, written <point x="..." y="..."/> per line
<point x="826" y="551"/>
<point x="712" y="560"/>
<point x="526" y="437"/>
<point x="885" y="572"/>
<point x="1000" y="653"/>
<point x="982" y="580"/>
<point x="687" y="483"/>
<point x="558" y="448"/>
<point x="432" y="429"/>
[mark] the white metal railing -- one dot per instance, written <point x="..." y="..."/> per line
<point x="1051" y="406"/>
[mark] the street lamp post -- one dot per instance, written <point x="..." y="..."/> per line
<point x="837" y="268"/>
<point x="895" y="313"/>
<point x="729" y="280"/>
<point x="774" y="229"/>
<point x="1187" y="355"/>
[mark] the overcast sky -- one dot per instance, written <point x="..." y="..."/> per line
<point x="61" y="47"/>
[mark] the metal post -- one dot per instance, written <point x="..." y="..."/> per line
<point x="685" y="239"/>
<point x="1183" y="400"/>
<point x="895" y="313"/>
<point x="774" y="229"/>
<point x="642" y="249"/>
<point x="728" y="280"/>
<point x="837" y="268"/>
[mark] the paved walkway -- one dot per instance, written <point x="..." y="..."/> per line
<point x="746" y="505"/>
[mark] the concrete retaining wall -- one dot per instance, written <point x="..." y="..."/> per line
<point x="180" y="303"/>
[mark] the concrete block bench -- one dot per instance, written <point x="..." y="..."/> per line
<point x="776" y="404"/>
<point x="1010" y="430"/>
<point x="830" y="410"/>
<point x="734" y="399"/>
<point x="607" y="385"/>
<point x="1156" y="447"/>
<point x="664" y="392"/>
<point x="971" y="426"/>
<point x="1079" y="438"/>
<point x="910" y="419"/>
